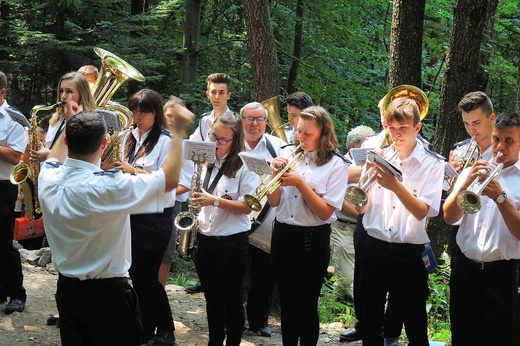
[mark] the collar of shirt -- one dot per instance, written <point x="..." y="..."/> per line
<point x="138" y="137"/>
<point x="80" y="164"/>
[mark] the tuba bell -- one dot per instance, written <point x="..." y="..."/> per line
<point x="273" y="117"/>
<point x="411" y="92"/>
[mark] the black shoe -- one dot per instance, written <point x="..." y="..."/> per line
<point x="53" y="321"/>
<point x="265" y="331"/>
<point x="162" y="338"/>
<point x="197" y="288"/>
<point x="350" y="335"/>
<point x="14" y="305"/>
<point x="391" y="342"/>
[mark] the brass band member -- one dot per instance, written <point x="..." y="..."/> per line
<point x="484" y="272"/>
<point x="305" y="206"/>
<point x="394" y="219"/>
<point x="223" y="245"/>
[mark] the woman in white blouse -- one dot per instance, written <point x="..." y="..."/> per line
<point x="306" y="203"/>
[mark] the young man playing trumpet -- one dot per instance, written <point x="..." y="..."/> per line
<point x="395" y="217"/>
<point x="484" y="274"/>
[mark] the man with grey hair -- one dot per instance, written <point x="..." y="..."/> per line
<point x="254" y="118"/>
<point x="13" y="141"/>
<point x="342" y="236"/>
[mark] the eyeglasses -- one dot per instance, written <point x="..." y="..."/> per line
<point x="250" y="120"/>
<point x="214" y="138"/>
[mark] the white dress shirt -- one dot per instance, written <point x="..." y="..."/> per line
<point x="387" y="218"/>
<point x="329" y="181"/>
<point x="86" y="216"/>
<point x="214" y="221"/>
<point x="53" y="130"/>
<point x="12" y="135"/>
<point x="154" y="160"/>
<point x="484" y="236"/>
<point x="261" y="148"/>
<point x="205" y="126"/>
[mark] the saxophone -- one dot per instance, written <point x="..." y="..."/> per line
<point x="26" y="175"/>
<point x="186" y="222"/>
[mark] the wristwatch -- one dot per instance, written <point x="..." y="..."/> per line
<point x="216" y="202"/>
<point x="501" y="198"/>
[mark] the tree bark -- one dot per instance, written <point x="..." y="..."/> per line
<point x="460" y="77"/>
<point x="297" y="50"/>
<point x="190" y="45"/>
<point x="262" y="49"/>
<point x="406" y="42"/>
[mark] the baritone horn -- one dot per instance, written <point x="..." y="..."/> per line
<point x="273" y="117"/>
<point x="267" y="188"/>
<point x="469" y="201"/>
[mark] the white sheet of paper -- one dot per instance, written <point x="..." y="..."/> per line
<point x="198" y="151"/>
<point x="359" y="155"/>
<point x="255" y="163"/>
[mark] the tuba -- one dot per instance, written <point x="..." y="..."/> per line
<point x="273" y="117"/>
<point x="411" y="92"/>
<point x="26" y="175"/>
<point x="113" y="73"/>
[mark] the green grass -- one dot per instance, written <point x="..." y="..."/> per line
<point x="182" y="272"/>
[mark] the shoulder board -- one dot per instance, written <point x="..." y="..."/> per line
<point x="461" y="143"/>
<point x="422" y="139"/>
<point x="205" y="114"/>
<point x="433" y="153"/>
<point x="341" y="156"/>
<point x="108" y="172"/>
<point x="18" y="116"/>
<point x="287" y="145"/>
<point x="54" y="164"/>
<point x="166" y="132"/>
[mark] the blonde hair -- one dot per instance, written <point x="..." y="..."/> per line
<point x="85" y="96"/>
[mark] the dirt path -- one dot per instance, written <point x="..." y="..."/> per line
<point x="29" y="327"/>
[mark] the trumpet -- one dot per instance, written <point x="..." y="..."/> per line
<point x="357" y="195"/>
<point x="467" y="159"/>
<point x="268" y="187"/>
<point x="469" y="201"/>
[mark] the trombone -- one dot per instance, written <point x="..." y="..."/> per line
<point x="469" y="201"/>
<point x="267" y="188"/>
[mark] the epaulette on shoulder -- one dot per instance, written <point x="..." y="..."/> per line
<point x="54" y="164"/>
<point x="341" y="156"/>
<point x="287" y="145"/>
<point x="461" y="143"/>
<point x="108" y="172"/>
<point x="166" y="132"/>
<point x="205" y="114"/>
<point x="433" y="153"/>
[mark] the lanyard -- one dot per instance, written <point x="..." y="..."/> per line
<point x="213" y="183"/>
<point x="62" y="125"/>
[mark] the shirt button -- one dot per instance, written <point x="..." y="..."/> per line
<point x="393" y="207"/>
<point x="401" y="164"/>
<point x="292" y="216"/>
<point x="295" y="196"/>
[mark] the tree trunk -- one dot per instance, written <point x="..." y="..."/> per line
<point x="262" y="49"/>
<point x="518" y="87"/>
<point x="460" y="77"/>
<point x="406" y="42"/>
<point x="297" y="50"/>
<point x="190" y="45"/>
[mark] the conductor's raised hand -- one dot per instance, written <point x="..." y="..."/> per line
<point x="72" y="108"/>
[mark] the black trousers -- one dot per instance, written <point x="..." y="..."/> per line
<point x="397" y="270"/>
<point x="98" y="312"/>
<point x="221" y="265"/>
<point x="300" y="256"/>
<point x="11" y="277"/>
<point x="261" y="287"/>
<point x="482" y="302"/>
<point x="393" y="321"/>
<point x="150" y="236"/>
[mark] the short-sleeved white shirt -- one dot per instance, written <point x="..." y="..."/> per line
<point x="214" y="221"/>
<point x="86" y="216"/>
<point x="387" y="218"/>
<point x="205" y="126"/>
<point x="329" y="181"/>
<point x="484" y="236"/>
<point x="12" y="135"/>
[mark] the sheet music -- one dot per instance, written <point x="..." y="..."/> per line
<point x="198" y="151"/>
<point x="359" y="155"/>
<point x="374" y="157"/>
<point x="255" y="163"/>
<point x="18" y="117"/>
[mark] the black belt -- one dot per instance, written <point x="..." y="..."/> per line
<point x="224" y="237"/>
<point x="346" y="221"/>
<point x="6" y="182"/>
<point x="487" y="265"/>
<point x="384" y="245"/>
<point x="92" y="282"/>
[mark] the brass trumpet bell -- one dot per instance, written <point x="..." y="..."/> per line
<point x="408" y="91"/>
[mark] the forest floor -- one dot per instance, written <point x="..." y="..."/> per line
<point x="29" y="327"/>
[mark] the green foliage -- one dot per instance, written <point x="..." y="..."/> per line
<point x="438" y="301"/>
<point x="183" y="272"/>
<point x="330" y="309"/>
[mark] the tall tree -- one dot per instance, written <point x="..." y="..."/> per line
<point x="460" y="77"/>
<point x="190" y="45"/>
<point x="406" y="42"/>
<point x="297" y="49"/>
<point x="262" y="49"/>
